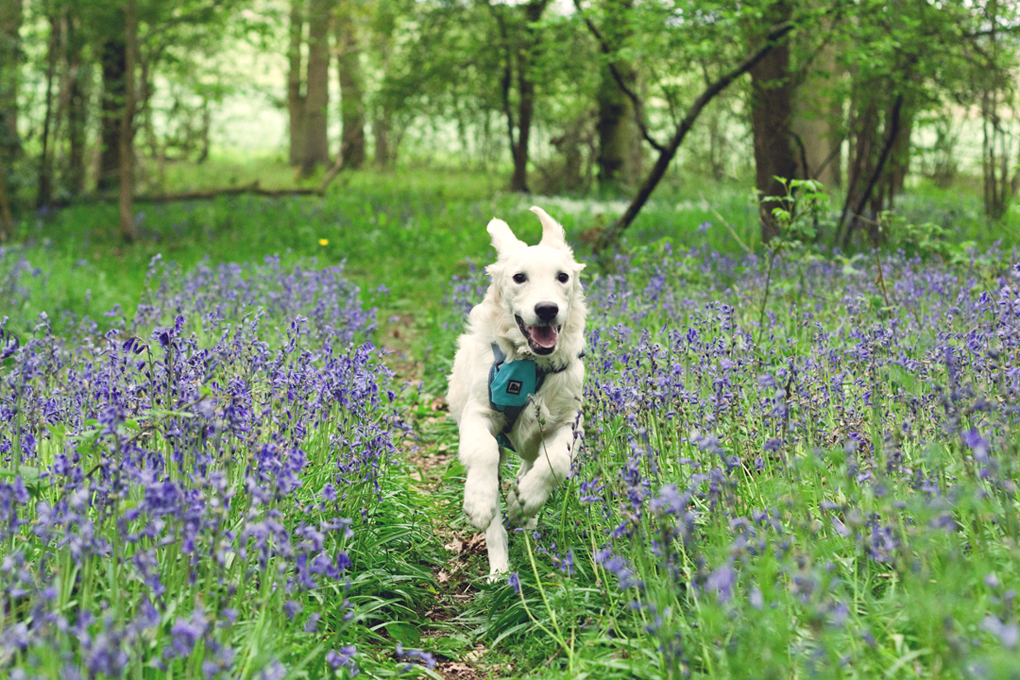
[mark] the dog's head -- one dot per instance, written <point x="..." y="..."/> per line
<point x="538" y="286"/>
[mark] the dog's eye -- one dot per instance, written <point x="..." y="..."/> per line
<point x="520" y="278"/>
<point x="562" y="278"/>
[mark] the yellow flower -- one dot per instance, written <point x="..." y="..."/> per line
<point x="323" y="241"/>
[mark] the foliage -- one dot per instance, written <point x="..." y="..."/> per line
<point x="209" y="486"/>
<point x="838" y="498"/>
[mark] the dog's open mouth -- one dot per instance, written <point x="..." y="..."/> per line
<point x="541" y="339"/>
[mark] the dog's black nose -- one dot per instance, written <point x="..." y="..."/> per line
<point x="546" y="311"/>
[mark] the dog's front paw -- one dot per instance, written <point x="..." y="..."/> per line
<point x="527" y="498"/>
<point x="480" y="502"/>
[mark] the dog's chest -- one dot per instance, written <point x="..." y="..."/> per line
<point x="549" y="410"/>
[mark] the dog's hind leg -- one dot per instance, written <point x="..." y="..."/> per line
<point x="479" y="453"/>
<point x="496" y="543"/>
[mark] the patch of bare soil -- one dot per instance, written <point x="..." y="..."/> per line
<point x="430" y="457"/>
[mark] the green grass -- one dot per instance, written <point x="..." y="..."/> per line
<point x="403" y="236"/>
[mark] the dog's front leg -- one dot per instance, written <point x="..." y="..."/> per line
<point x="550" y="467"/>
<point x="479" y="454"/>
<point x="496" y="544"/>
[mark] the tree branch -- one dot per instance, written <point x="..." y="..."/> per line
<point x="198" y="15"/>
<point x="612" y="235"/>
<point x="894" y="129"/>
<point x="639" y="111"/>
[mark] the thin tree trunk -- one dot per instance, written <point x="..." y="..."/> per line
<point x="11" y="17"/>
<point x="203" y="155"/>
<point x="114" y="66"/>
<point x="6" y="219"/>
<point x="383" y="28"/>
<point x="771" y="118"/>
<point x="44" y="195"/>
<point x="892" y="124"/>
<point x="127" y="123"/>
<point x="381" y="132"/>
<point x="863" y="139"/>
<point x="899" y="156"/>
<point x="316" y="146"/>
<point x="352" y="109"/>
<point x="77" y="107"/>
<point x="295" y="100"/>
<point x="617" y="129"/>
<point x="526" y="93"/>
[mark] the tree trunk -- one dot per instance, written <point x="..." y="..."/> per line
<point x="295" y="100"/>
<point x="6" y="220"/>
<point x="870" y="170"/>
<point x="381" y="132"/>
<point x="203" y="154"/>
<point x="526" y="93"/>
<point x="127" y="125"/>
<point x="352" y="109"/>
<point x="771" y="118"/>
<point x="11" y="17"/>
<point x="899" y="157"/>
<point x="383" y="28"/>
<point x="114" y="66"/>
<point x="77" y="106"/>
<point x="814" y="129"/>
<point x="44" y="195"/>
<point x="619" y="137"/>
<point x="996" y="146"/>
<point x="316" y="146"/>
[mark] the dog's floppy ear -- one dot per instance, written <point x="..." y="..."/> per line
<point x="552" y="233"/>
<point x="503" y="240"/>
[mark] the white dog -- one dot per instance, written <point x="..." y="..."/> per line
<point x="517" y="379"/>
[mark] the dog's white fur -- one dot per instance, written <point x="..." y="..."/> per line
<point x="544" y="434"/>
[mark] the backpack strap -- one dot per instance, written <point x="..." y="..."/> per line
<point x="512" y="411"/>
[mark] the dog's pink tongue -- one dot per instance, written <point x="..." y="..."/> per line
<point x="544" y="336"/>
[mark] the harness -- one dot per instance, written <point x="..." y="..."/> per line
<point x="511" y="386"/>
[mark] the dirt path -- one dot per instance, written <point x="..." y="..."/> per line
<point x="431" y="451"/>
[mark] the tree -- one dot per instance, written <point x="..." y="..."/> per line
<point x="295" y="99"/>
<point x="902" y="59"/>
<point x="44" y="194"/>
<point x="75" y="99"/>
<point x="316" y="145"/>
<point x="698" y="37"/>
<point x="519" y="37"/>
<point x="352" y="107"/>
<point x="127" y="125"/>
<point x="619" y="157"/>
<point x="771" y="118"/>
<point x="383" y="27"/>
<point x="817" y="117"/>
<point x="11" y="17"/>
<point x="113" y="63"/>
<point x="995" y="77"/>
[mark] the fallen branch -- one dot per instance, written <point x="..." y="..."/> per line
<point x="253" y="188"/>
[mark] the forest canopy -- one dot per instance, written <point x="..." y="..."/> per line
<point x="578" y="96"/>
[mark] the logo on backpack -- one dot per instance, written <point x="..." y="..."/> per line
<point x="513" y="387"/>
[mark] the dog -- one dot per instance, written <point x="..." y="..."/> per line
<point x="517" y="380"/>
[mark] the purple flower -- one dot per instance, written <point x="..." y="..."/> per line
<point x="1008" y="633"/>
<point x="721" y="582"/>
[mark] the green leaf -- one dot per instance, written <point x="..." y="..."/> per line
<point x="404" y="633"/>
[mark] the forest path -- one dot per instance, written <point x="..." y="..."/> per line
<point x="449" y="629"/>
